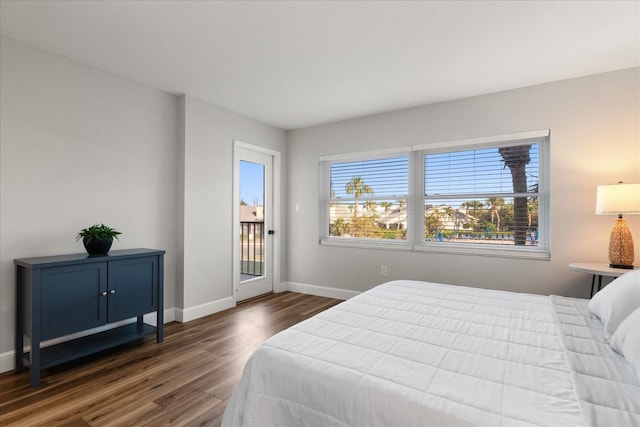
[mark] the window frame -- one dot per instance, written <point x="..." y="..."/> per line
<point x="326" y="199"/>
<point x="415" y="240"/>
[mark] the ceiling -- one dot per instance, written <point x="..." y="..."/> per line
<point x="295" y="64"/>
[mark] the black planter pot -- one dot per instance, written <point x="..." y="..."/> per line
<point x="97" y="246"/>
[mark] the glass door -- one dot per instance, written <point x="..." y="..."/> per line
<point x="255" y="217"/>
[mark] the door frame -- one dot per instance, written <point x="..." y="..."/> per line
<point x="275" y="190"/>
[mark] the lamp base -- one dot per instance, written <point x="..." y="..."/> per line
<point x="621" y="245"/>
<point x="626" y="267"/>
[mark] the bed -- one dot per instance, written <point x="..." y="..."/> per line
<point x="409" y="353"/>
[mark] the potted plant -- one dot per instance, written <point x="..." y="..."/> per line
<point x="97" y="239"/>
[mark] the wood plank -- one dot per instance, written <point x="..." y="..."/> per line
<point x="186" y="380"/>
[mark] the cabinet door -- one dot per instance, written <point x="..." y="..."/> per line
<point x="133" y="287"/>
<point x="72" y="299"/>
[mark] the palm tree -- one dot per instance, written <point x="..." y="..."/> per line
<point x="401" y="204"/>
<point x="517" y="158"/>
<point x="473" y="206"/>
<point x="370" y="206"/>
<point x="452" y="216"/>
<point x="357" y="187"/>
<point x="496" y="203"/>
<point x="387" y="208"/>
<point x="449" y="212"/>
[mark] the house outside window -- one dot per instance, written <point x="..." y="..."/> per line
<point x="485" y="196"/>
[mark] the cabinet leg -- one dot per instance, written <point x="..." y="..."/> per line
<point x="34" y="369"/>
<point x="19" y="354"/>
<point x="19" y="342"/>
<point x="19" y="351"/>
<point x="35" y="377"/>
<point x="18" y="360"/>
<point x="159" y="326"/>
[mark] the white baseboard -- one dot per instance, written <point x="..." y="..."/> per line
<point x="195" y="312"/>
<point x="321" y="291"/>
<point x="168" y="316"/>
<point x="7" y="361"/>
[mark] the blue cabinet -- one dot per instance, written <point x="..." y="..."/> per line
<point x="135" y="292"/>
<point x="68" y="294"/>
<point x="71" y="299"/>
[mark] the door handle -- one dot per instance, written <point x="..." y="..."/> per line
<point x="271" y="232"/>
<point x="103" y="293"/>
<point x="112" y="291"/>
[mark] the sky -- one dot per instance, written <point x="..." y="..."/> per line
<point x="251" y="182"/>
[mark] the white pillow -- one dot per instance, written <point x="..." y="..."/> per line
<point x="617" y="301"/>
<point x="626" y="340"/>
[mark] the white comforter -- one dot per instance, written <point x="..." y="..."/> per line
<point x="413" y="353"/>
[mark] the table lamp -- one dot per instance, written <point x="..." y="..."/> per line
<point x="619" y="199"/>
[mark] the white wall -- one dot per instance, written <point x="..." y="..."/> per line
<point x="80" y="146"/>
<point x="595" y="139"/>
<point x="205" y="240"/>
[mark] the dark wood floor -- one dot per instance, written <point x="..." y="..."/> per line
<point x="186" y="380"/>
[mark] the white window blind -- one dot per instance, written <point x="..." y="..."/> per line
<point x="486" y="196"/>
<point x="368" y="198"/>
<point x="483" y="195"/>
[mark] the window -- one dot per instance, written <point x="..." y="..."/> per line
<point x="368" y="198"/>
<point x="482" y="196"/>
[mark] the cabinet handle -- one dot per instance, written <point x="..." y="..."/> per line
<point x="103" y="293"/>
<point x="112" y="291"/>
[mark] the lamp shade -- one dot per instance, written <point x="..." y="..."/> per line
<point x="618" y="199"/>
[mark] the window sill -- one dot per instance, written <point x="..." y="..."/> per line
<point x="472" y="249"/>
<point x="398" y="245"/>
<point x="480" y="249"/>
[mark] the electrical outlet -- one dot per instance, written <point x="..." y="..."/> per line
<point x="383" y="270"/>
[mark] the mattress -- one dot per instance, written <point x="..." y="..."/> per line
<point x="410" y="353"/>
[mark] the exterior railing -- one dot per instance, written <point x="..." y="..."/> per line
<point x="252" y="248"/>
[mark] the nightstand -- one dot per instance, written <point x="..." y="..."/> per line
<point x="597" y="269"/>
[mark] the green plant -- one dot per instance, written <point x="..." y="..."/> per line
<point x="97" y="232"/>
